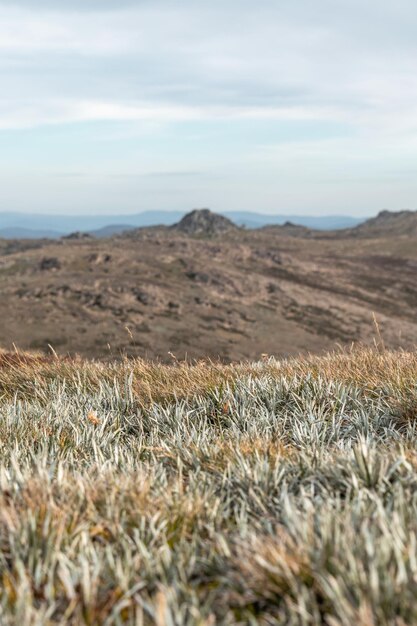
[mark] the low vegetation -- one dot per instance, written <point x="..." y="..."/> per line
<point x="201" y="494"/>
<point x="206" y="288"/>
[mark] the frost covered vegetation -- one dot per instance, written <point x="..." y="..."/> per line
<point x="261" y="493"/>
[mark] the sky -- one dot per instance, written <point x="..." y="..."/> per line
<point x="275" y="106"/>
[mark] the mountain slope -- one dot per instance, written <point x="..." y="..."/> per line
<point x="235" y="294"/>
<point x="19" y="232"/>
<point x="389" y="224"/>
<point x="111" y="230"/>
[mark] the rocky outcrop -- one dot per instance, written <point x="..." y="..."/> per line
<point x="204" y="222"/>
<point x="389" y="223"/>
<point x="78" y="236"/>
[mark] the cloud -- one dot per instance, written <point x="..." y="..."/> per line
<point x="15" y="115"/>
<point x="74" y="5"/>
<point x="169" y="61"/>
<point x="192" y="68"/>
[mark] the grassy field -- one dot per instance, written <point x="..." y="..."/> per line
<point x="259" y="493"/>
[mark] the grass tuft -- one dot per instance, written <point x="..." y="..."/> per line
<point x="201" y="493"/>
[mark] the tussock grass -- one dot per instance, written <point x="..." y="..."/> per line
<point x="254" y="493"/>
<point x="370" y="369"/>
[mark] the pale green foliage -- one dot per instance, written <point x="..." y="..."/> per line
<point x="277" y="496"/>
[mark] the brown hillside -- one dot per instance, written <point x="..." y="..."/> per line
<point x="389" y="223"/>
<point x="237" y="294"/>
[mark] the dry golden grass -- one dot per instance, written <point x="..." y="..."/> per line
<point x="370" y="369"/>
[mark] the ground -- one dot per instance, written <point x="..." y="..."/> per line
<point x="236" y="295"/>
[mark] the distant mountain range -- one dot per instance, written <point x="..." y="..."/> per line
<point x="322" y="222"/>
<point x="19" y="232"/>
<point x="15" y="225"/>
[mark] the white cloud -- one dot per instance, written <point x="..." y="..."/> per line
<point x="157" y="63"/>
<point x="24" y="32"/>
<point x="14" y="115"/>
<point x="192" y="58"/>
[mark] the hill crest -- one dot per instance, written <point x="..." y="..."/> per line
<point x="389" y="223"/>
<point x="204" y="222"/>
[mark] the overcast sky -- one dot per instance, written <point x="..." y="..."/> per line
<point x="294" y="106"/>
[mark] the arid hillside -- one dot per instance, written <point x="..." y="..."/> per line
<point x="225" y="292"/>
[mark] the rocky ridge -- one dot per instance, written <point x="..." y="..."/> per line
<point x="204" y="222"/>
